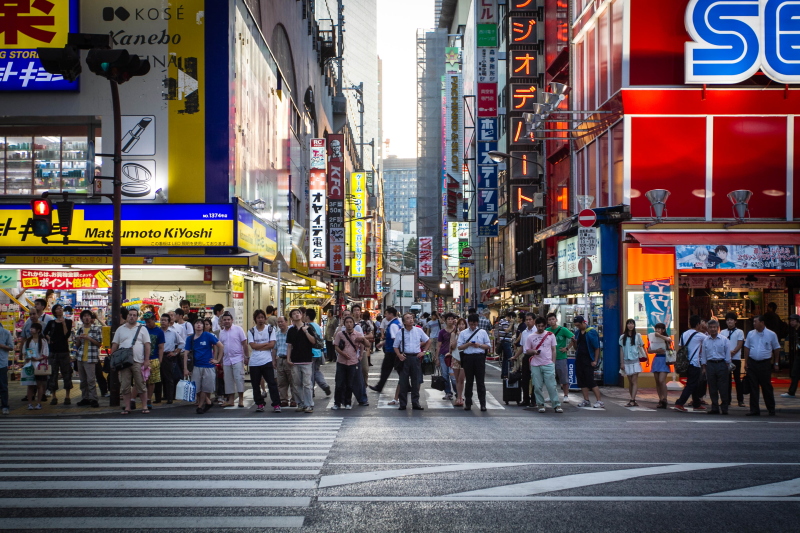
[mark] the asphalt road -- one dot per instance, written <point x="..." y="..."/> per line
<point x="378" y="469"/>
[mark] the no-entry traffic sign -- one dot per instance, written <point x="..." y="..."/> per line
<point x="587" y="218"/>
<point x="467" y="252"/>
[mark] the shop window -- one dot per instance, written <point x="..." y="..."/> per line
<point x="647" y="267"/>
<point x="602" y="147"/>
<point x="591" y="69"/>
<point x="591" y="178"/>
<point x="579" y="91"/>
<point x="37" y="159"/>
<point x="617" y="160"/>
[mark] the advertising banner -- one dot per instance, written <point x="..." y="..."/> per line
<point x="9" y="279"/>
<point x="317" y="185"/>
<point x="425" y="256"/>
<point x="736" y="256"/>
<point x="658" y="302"/>
<point x="357" y="236"/>
<point x="237" y="299"/>
<point x="336" y="203"/>
<point x="26" y="26"/>
<point x="65" y="279"/>
<point x="142" y="225"/>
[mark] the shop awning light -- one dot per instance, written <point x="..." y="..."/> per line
<point x="658" y="204"/>
<point x="740" y="199"/>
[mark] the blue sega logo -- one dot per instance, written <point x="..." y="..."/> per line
<point x="733" y="39"/>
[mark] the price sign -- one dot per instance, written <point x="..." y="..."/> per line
<point x="587" y="242"/>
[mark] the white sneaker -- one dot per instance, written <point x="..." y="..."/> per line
<point x="584" y="403"/>
<point x="787" y="395"/>
<point x="559" y="410"/>
<point x="348" y="407"/>
<point x="30" y="407"/>
<point x="38" y="406"/>
<point x="541" y="409"/>
<point x="5" y="410"/>
<point x="335" y="407"/>
<point x="598" y="405"/>
<point x="565" y="400"/>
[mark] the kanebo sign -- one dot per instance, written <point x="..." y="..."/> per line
<point x="733" y="39"/>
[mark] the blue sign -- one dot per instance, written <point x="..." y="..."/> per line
<point x="658" y="302"/>
<point x="23" y="29"/>
<point x="483" y="153"/>
<point x="733" y="39"/>
<point x="487" y="201"/>
<point x="487" y="176"/>
<point x="487" y="129"/>
<point x="487" y="225"/>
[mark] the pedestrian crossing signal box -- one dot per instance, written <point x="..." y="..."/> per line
<point x="42" y="220"/>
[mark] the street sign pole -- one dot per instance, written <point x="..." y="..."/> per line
<point x="586" y="219"/>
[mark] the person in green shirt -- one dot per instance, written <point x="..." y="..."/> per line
<point x="563" y="338"/>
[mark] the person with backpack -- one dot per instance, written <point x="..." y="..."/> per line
<point x="389" y="357"/>
<point x="692" y="344"/>
<point x="563" y="338"/>
<point x="262" y="340"/>
<point x="587" y="357"/>
<point x="348" y="344"/>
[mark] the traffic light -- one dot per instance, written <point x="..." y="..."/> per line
<point x="42" y="221"/>
<point x="116" y="65"/>
<point x="65" y="209"/>
<point x="65" y="61"/>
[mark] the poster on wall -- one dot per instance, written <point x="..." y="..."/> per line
<point x="336" y="202"/>
<point x="658" y="302"/>
<point x="425" y="256"/>
<point x="237" y="297"/>
<point x="170" y="300"/>
<point x="736" y="256"/>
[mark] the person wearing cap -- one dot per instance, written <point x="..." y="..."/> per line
<point x="587" y="343"/>
<point x="793" y="338"/>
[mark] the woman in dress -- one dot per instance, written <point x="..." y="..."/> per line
<point x="631" y="349"/>
<point x="457" y="370"/>
<point x="36" y="351"/>
<point x="658" y="343"/>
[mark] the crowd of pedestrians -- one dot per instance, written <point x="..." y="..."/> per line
<point x="283" y="356"/>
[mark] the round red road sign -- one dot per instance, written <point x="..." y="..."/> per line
<point x="587" y="218"/>
<point x="467" y="252"/>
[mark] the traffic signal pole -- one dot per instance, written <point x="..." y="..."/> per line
<point x="116" y="237"/>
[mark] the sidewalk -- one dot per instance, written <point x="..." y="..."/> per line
<point x="649" y="398"/>
<point x="16" y="391"/>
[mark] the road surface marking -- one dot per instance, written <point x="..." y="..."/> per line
<point x="362" y="477"/>
<point x="434" y="400"/>
<point x="160" y="473"/>
<point x="254" y="455"/>
<point x="170" y="502"/>
<point x="193" y="484"/>
<point x="782" y="488"/>
<point x="587" y="479"/>
<point x="254" y="463"/>
<point x="491" y="401"/>
<point x="152" y="522"/>
<point x="553" y="499"/>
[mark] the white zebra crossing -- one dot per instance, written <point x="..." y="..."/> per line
<point x="265" y="463"/>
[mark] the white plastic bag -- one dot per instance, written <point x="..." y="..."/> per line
<point x="186" y="390"/>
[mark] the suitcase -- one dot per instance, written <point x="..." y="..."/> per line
<point x="512" y="393"/>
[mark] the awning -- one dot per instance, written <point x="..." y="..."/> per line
<point x="756" y="238"/>
<point x="245" y="260"/>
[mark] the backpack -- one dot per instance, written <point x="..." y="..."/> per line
<point x="682" y="358"/>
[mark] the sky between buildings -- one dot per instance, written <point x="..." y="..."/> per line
<point x="397" y="33"/>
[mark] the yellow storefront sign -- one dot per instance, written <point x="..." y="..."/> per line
<point x="357" y="234"/>
<point x="256" y="236"/>
<point x="28" y="25"/>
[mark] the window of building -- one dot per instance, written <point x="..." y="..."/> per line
<point x="37" y="159"/>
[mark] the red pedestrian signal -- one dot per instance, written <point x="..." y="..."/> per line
<point x="65" y="209"/>
<point x="42" y="221"/>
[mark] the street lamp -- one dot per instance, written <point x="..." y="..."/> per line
<point x="499" y="157"/>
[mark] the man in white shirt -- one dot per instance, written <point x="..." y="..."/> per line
<point x="525" y="368"/>
<point x="262" y="365"/>
<point x="761" y="352"/>
<point x="216" y="324"/>
<point x="693" y="340"/>
<point x="473" y="343"/>
<point x="173" y="341"/>
<point x="410" y="346"/>
<point x="735" y="338"/>
<point x="131" y="334"/>
<point x="715" y="358"/>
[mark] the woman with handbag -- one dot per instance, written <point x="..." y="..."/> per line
<point x="658" y="344"/>
<point x="631" y="355"/>
<point x="36" y="351"/>
<point x="458" y="372"/>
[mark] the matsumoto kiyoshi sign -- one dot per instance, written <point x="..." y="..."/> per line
<point x="733" y="39"/>
<point x="142" y="225"/>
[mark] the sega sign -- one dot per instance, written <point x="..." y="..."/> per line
<point x="733" y="39"/>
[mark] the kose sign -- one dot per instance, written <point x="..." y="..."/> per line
<point x="733" y="39"/>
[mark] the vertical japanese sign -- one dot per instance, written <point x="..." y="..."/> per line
<point x="336" y="203"/>
<point x="317" y="185"/>
<point x="486" y="103"/>
<point x="237" y="299"/>
<point x="357" y="237"/>
<point x="452" y="247"/>
<point x="25" y="26"/>
<point x="425" y="256"/>
<point x="658" y="301"/>
<point x="454" y="150"/>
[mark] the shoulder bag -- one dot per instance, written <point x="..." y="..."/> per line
<point x="541" y="341"/>
<point x="682" y="358"/>
<point x="123" y="357"/>
<point x="346" y="336"/>
<point x="642" y="354"/>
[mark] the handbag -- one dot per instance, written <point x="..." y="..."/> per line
<point x="186" y="390"/>
<point x="746" y="388"/>
<point x="437" y="381"/>
<point x="123" y="357"/>
<point x="26" y="375"/>
<point x="682" y="358"/>
<point x="41" y="369"/>
<point x="669" y="356"/>
<point x="428" y="366"/>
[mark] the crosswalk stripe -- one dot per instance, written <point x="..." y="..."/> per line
<point x="160" y="473"/>
<point x="171" y="502"/>
<point x="782" y="488"/>
<point x="152" y="522"/>
<point x="127" y="484"/>
<point x="255" y="463"/>
<point x="223" y="447"/>
<point x="433" y="400"/>
<point x="182" y="455"/>
<point x="326" y="442"/>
